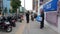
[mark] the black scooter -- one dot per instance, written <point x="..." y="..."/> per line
<point x="12" y="21"/>
<point x="20" y="18"/>
<point x="5" y="25"/>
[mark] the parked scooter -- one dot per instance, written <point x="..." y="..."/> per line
<point x="5" y="25"/>
<point x="12" y="21"/>
<point x="20" y="18"/>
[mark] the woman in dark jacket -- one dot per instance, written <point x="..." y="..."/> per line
<point x="42" y="22"/>
<point x="27" y="17"/>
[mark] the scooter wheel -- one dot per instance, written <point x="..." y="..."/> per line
<point x="9" y="29"/>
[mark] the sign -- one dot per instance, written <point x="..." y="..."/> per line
<point x="50" y="6"/>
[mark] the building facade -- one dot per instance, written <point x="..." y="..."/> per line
<point x="6" y="4"/>
<point x="1" y="6"/>
<point x="51" y="17"/>
<point x="35" y="5"/>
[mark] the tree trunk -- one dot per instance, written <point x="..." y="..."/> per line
<point x="16" y="14"/>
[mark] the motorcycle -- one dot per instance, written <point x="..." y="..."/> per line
<point x="5" y="25"/>
<point x="12" y="21"/>
<point x="20" y="18"/>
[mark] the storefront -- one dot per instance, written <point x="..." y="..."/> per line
<point x="52" y="14"/>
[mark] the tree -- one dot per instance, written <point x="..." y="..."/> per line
<point x="15" y="4"/>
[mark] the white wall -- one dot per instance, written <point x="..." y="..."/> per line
<point x="28" y="4"/>
<point x="50" y="25"/>
<point x="57" y="29"/>
<point x="22" y="3"/>
<point x="59" y="24"/>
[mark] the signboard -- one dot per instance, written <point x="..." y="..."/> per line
<point x="50" y="6"/>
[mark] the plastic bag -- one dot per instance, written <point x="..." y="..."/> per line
<point x="39" y="18"/>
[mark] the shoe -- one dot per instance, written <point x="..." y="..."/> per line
<point x="41" y="27"/>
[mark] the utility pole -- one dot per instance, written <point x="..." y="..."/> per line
<point x="35" y="5"/>
<point x="2" y="12"/>
<point x="24" y="6"/>
<point x="38" y="7"/>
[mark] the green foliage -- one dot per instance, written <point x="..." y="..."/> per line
<point x="12" y="11"/>
<point x="15" y="4"/>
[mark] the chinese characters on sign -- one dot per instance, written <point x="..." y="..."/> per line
<point x="48" y="6"/>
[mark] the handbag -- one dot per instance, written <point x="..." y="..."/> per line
<point x="39" y="18"/>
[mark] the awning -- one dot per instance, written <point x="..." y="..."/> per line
<point x="50" y="6"/>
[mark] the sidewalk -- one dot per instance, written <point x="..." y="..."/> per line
<point x="34" y="28"/>
<point x="14" y="29"/>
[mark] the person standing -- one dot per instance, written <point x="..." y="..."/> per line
<point x="42" y="22"/>
<point x="27" y="17"/>
<point x="32" y="16"/>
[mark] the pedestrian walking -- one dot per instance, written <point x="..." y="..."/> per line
<point x="27" y="16"/>
<point x="42" y="22"/>
<point x="35" y="15"/>
<point x="32" y="16"/>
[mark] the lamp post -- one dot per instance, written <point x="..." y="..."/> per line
<point x="24" y="6"/>
<point x="2" y="8"/>
<point x="38" y="7"/>
<point x="35" y="5"/>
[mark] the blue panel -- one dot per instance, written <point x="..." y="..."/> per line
<point x="51" y="6"/>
